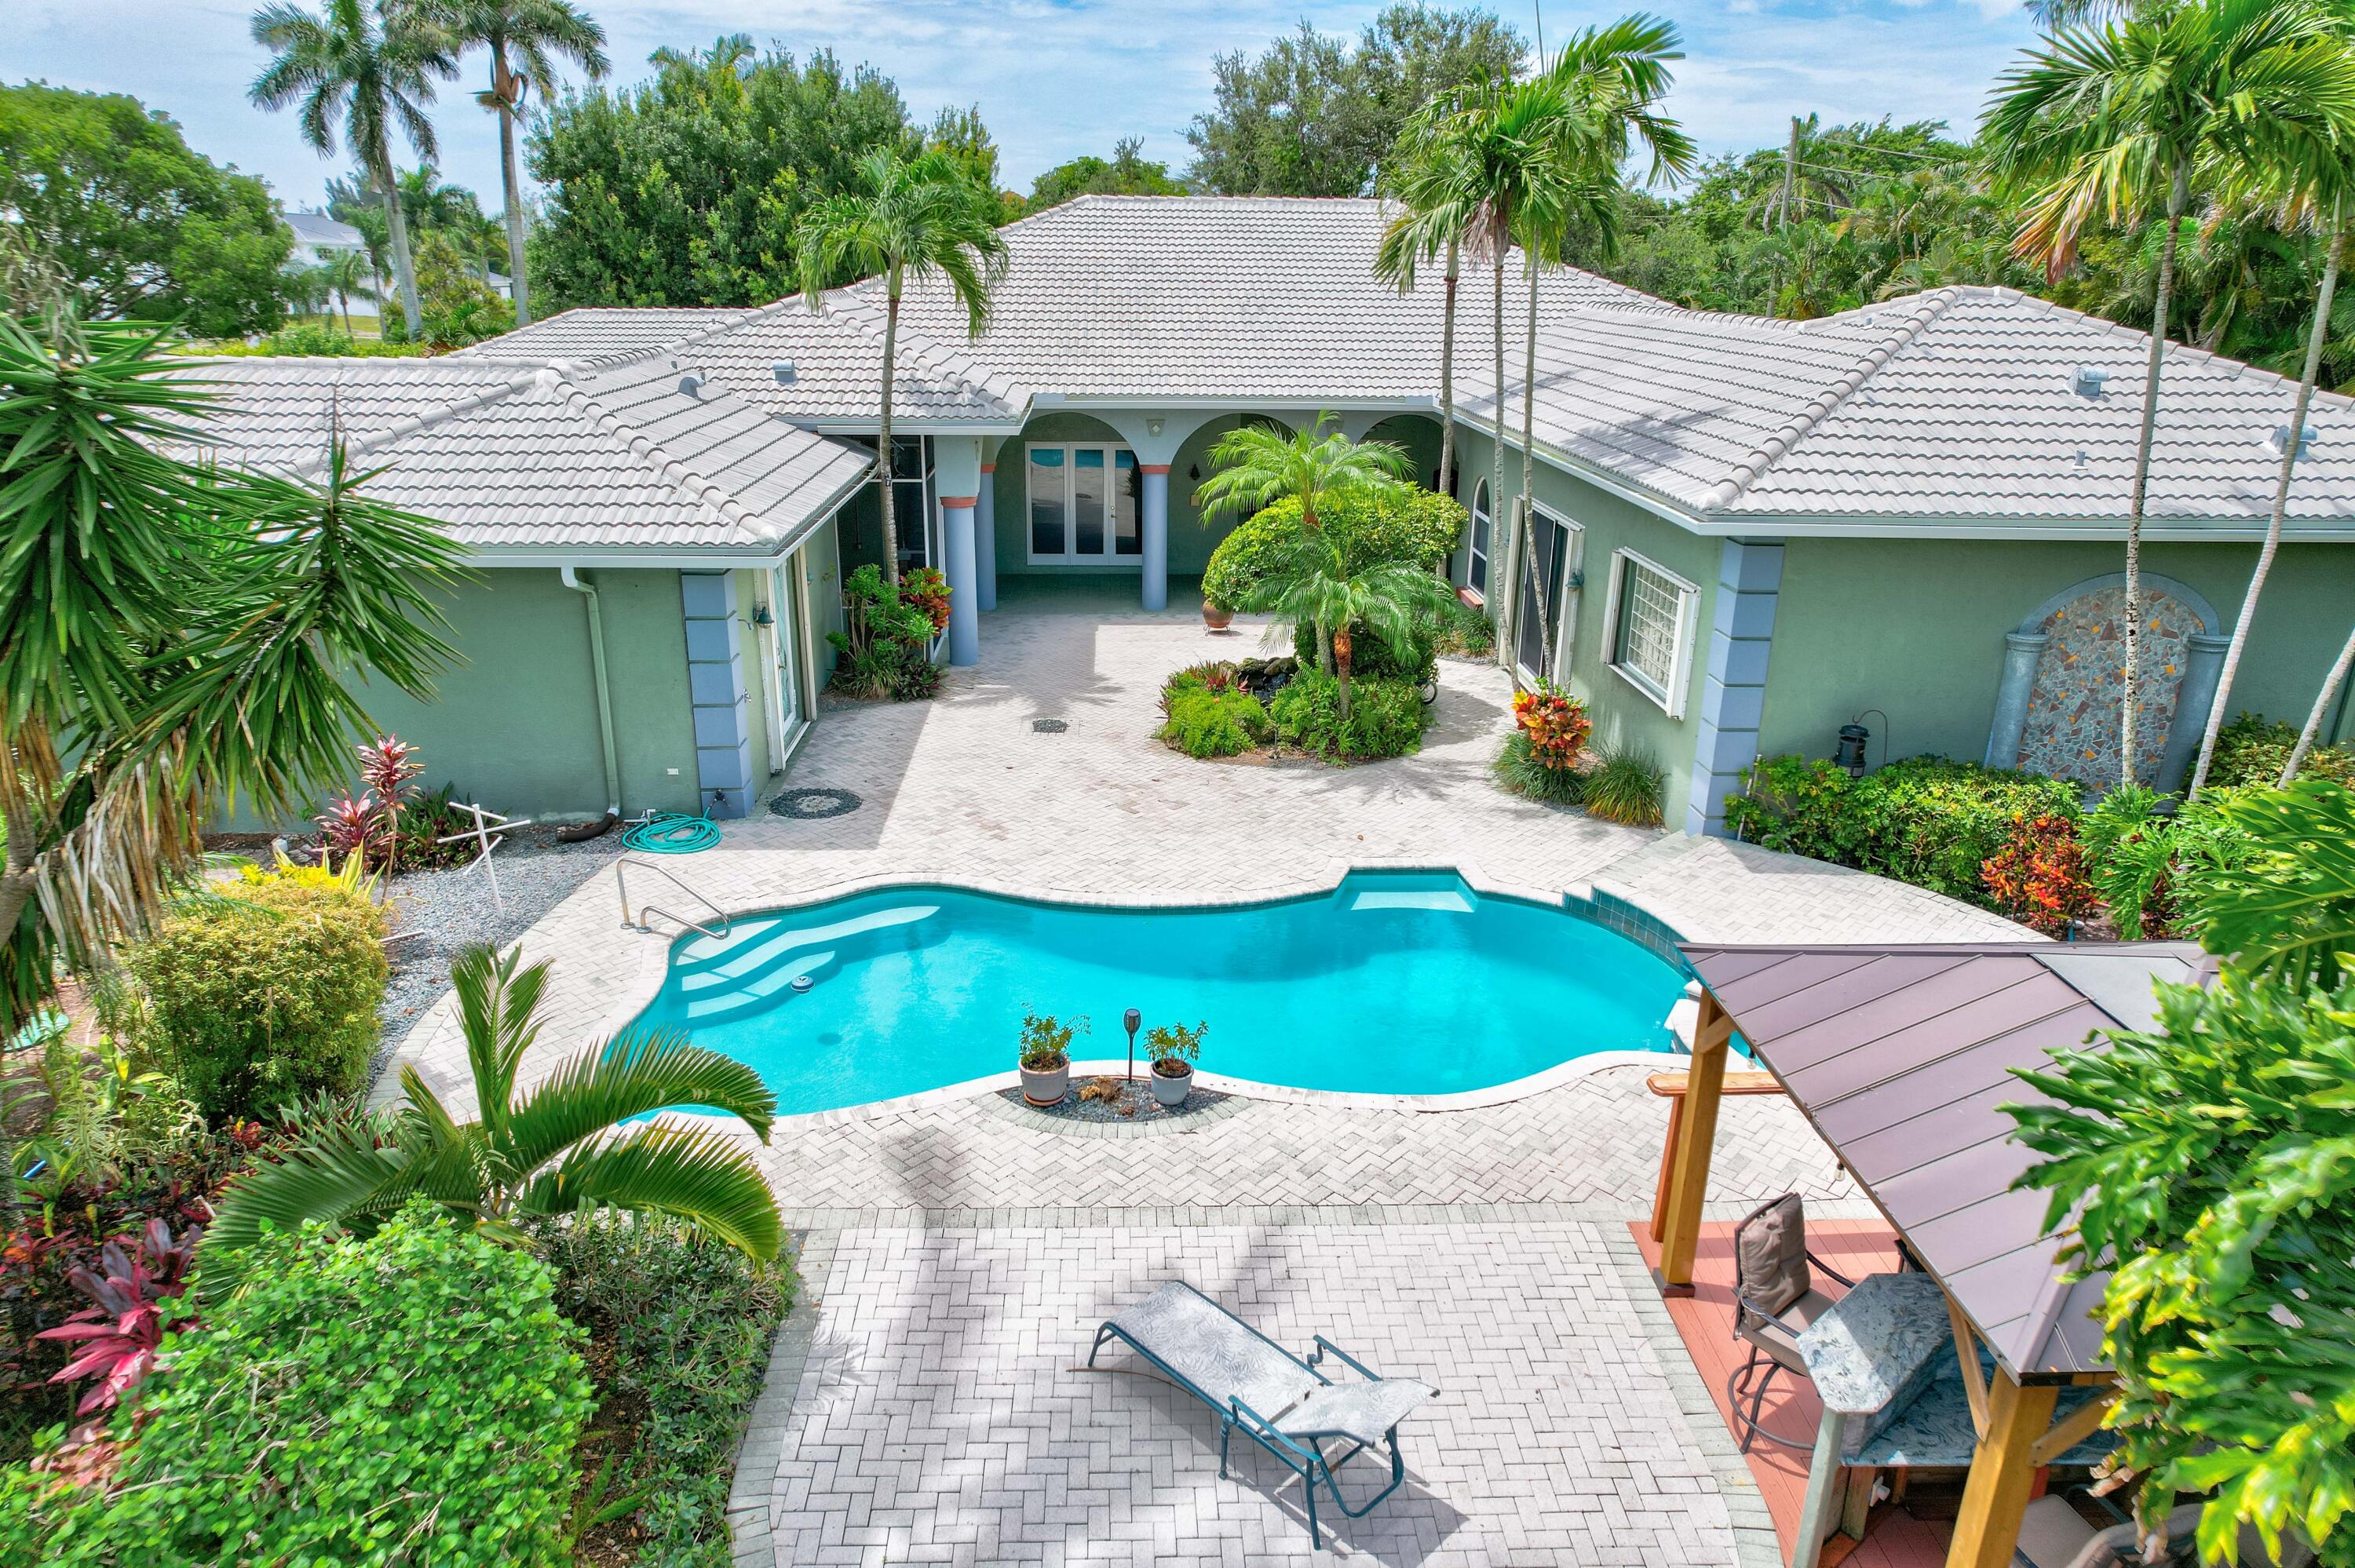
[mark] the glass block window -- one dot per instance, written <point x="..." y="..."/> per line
<point x="1647" y="636"/>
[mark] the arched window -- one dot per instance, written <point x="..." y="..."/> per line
<point x="1476" y="571"/>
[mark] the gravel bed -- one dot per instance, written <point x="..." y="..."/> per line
<point x="451" y="909"/>
<point x="1133" y="1102"/>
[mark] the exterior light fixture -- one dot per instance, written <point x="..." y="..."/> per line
<point x="1194" y="472"/>
<point x="1850" y="755"/>
<point x="760" y="616"/>
<point x="1129" y="1021"/>
<point x="2087" y="381"/>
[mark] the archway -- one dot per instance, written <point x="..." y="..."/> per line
<point x="2057" y="712"/>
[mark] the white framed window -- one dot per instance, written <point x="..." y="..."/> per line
<point x="1083" y="504"/>
<point x="1475" y="560"/>
<point x="1650" y="629"/>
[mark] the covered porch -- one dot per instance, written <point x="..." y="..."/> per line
<point x="1962" y="1350"/>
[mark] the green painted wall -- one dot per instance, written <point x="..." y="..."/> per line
<point x="752" y="589"/>
<point x="515" y="726"/>
<point x="822" y="571"/>
<point x="1915" y="627"/>
<point x="1624" y="716"/>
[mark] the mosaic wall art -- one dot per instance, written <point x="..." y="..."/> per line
<point x="2073" y="711"/>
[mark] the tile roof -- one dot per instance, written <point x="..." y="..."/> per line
<point x="592" y="336"/>
<point x="1900" y="1057"/>
<point x="1960" y="403"/>
<point x="633" y="455"/>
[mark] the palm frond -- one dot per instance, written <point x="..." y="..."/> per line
<point x="702" y="1176"/>
<point x="634" y="1076"/>
<point x="339" y="1176"/>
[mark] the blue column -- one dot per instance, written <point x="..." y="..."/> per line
<point x="2021" y="651"/>
<point x="718" y="696"/>
<point x="1156" y="535"/>
<point x="964" y="590"/>
<point x="985" y="537"/>
<point x="2204" y="667"/>
<point x="1733" y="697"/>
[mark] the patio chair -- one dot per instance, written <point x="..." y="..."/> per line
<point x="2054" y="1534"/>
<point x="1281" y="1402"/>
<point x="1774" y="1299"/>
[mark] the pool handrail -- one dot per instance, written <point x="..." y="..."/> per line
<point x="621" y="886"/>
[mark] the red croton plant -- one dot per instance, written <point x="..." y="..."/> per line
<point x="2038" y="878"/>
<point x="132" y="1292"/>
<point x="1555" y="722"/>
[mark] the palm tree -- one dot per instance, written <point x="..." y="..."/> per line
<point x="1430" y="178"/>
<point x="2313" y="730"/>
<point x="347" y="274"/>
<point x="913" y="219"/>
<point x="1255" y="466"/>
<point x="1600" y="97"/>
<point x="568" y="1144"/>
<point x="1313" y="583"/>
<point x="194" y="651"/>
<point x="523" y="36"/>
<point x="367" y="69"/>
<point x="2119" y="124"/>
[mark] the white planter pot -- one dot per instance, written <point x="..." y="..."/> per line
<point x="1047" y="1087"/>
<point x="1170" y="1091"/>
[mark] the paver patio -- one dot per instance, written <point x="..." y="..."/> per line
<point x="958" y="1256"/>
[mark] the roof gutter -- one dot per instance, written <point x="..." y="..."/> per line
<point x="571" y="578"/>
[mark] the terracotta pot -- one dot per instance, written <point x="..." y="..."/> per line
<point x="1047" y="1087"/>
<point x="1171" y="1089"/>
<point x="1214" y="618"/>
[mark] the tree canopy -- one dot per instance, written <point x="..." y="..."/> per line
<point x="1127" y="172"/>
<point x="141" y="224"/>
<point x="1314" y="115"/>
<point x="684" y="190"/>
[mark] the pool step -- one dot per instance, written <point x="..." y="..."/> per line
<point x="759" y="994"/>
<point x="754" y="944"/>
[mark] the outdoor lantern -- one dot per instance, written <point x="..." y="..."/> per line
<point x="1129" y="1021"/>
<point x="1851" y="754"/>
<point x="1194" y="472"/>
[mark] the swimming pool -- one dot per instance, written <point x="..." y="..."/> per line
<point x="1395" y="982"/>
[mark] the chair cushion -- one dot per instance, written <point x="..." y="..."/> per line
<point x="2051" y="1533"/>
<point x="1784" y="1346"/>
<point x="1770" y="1254"/>
<point x="1215" y="1351"/>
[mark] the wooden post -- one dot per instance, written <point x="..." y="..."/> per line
<point x="1667" y="1169"/>
<point x="1986" y="1527"/>
<point x="1705" y="1082"/>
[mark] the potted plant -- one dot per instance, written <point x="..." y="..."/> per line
<point x="1175" y="1048"/>
<point x="1216" y="615"/>
<point x="1046" y="1059"/>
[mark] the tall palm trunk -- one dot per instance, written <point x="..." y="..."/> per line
<point x="502" y="87"/>
<point x="2314" y="342"/>
<point x="1447" y="372"/>
<point x="1500" y="561"/>
<point x="1320" y="632"/>
<point x="1341" y="646"/>
<point x="403" y="270"/>
<point x="2178" y="197"/>
<point x="2312" y="729"/>
<point x="1528" y="503"/>
<point x="883" y="444"/>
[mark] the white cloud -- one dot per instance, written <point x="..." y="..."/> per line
<point x="1054" y="77"/>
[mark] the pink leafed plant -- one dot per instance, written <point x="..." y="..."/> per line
<point x="351" y="827"/>
<point x="387" y="766"/>
<point x="125" y="1328"/>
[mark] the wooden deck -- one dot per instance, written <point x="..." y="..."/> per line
<point x="1895" y="1539"/>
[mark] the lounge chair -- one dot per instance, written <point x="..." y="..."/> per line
<point x="1279" y="1401"/>
<point x="1775" y="1300"/>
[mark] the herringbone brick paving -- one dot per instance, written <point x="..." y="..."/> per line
<point x="921" y="1410"/>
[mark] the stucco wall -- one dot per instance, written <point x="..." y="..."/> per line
<point x="1624" y="716"/>
<point x="1915" y="627"/>
<point x="1013" y="503"/>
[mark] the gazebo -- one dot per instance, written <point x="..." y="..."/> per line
<point x="1901" y="1057"/>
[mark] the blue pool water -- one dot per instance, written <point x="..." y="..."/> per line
<point x="1394" y="983"/>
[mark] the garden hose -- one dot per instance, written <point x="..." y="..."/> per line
<point x="669" y="832"/>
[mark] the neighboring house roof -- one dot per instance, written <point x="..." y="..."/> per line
<point x="637" y="456"/>
<point x="598" y="337"/>
<point x="318" y="230"/>
<point x="1900" y="1058"/>
<point x="1962" y="403"/>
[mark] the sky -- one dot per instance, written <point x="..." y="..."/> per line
<point x="1054" y="79"/>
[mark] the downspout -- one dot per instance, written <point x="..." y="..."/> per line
<point x="571" y="578"/>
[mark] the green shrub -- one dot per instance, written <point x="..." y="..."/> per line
<point x="1518" y="771"/>
<point x="887" y="650"/>
<point x="1203" y="722"/>
<point x="1385" y="718"/>
<point x="1928" y="820"/>
<point x="1626" y="787"/>
<point x="1419" y="526"/>
<point x="684" y="1328"/>
<point x="1373" y="658"/>
<point x="311" y="338"/>
<point x="409" y="1399"/>
<point x="2249" y="751"/>
<point x="1465" y="632"/>
<point x="266" y="995"/>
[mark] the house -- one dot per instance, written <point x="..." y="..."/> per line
<point x="1746" y="533"/>
<point x="316" y="237"/>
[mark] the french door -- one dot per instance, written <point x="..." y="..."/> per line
<point x="789" y="713"/>
<point x="1549" y="560"/>
<point x="1084" y="505"/>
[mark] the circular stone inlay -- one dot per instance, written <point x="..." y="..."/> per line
<point x="812" y="805"/>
